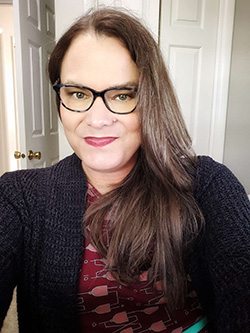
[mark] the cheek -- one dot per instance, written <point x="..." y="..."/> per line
<point x="134" y="126"/>
<point x="63" y="116"/>
<point x="70" y="120"/>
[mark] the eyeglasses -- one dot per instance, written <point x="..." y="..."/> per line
<point x="80" y="99"/>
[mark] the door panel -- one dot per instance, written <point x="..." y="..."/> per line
<point x="191" y="37"/>
<point x="35" y="39"/>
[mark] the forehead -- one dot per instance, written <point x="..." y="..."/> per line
<point x="98" y="62"/>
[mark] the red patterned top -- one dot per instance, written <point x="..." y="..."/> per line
<point x="106" y="305"/>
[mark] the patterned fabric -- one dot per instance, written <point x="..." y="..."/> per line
<point x="109" y="306"/>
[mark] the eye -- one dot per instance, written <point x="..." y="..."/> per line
<point x="78" y="95"/>
<point x="122" y="97"/>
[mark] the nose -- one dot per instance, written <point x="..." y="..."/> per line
<point x="98" y="115"/>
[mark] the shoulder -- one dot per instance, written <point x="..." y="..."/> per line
<point x="221" y="198"/>
<point x="26" y="184"/>
<point x="208" y="170"/>
<point x="215" y="181"/>
<point x="69" y="166"/>
<point x="226" y="210"/>
<point x="220" y="266"/>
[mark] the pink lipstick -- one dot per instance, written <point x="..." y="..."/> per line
<point x="99" y="142"/>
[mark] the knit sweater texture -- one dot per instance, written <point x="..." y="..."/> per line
<point x="41" y="246"/>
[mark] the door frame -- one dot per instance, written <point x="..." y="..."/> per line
<point x="9" y="124"/>
<point x="222" y="76"/>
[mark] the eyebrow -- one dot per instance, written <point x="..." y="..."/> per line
<point x="129" y="84"/>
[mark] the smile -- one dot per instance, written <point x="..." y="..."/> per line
<point x="99" y="142"/>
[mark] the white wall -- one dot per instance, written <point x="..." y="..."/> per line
<point x="237" y="141"/>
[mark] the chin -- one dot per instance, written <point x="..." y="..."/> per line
<point x="105" y="168"/>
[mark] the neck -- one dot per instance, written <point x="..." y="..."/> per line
<point x="105" y="181"/>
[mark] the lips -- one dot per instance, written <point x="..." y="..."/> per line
<point x="99" y="141"/>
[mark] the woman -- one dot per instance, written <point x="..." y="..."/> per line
<point x="133" y="232"/>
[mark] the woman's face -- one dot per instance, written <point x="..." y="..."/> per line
<point x="107" y="143"/>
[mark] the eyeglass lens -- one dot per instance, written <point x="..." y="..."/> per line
<point x="80" y="99"/>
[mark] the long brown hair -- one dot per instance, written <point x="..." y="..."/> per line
<point x="156" y="218"/>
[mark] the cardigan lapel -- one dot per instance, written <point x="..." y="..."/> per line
<point x="62" y="237"/>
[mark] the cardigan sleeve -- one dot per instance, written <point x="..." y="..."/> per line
<point x="221" y="264"/>
<point x="13" y="212"/>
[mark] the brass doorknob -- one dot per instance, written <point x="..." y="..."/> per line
<point x="18" y="154"/>
<point x="37" y="155"/>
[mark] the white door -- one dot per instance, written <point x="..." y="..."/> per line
<point x="37" y="118"/>
<point x="196" y="37"/>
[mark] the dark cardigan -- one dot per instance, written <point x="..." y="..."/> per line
<point x="41" y="246"/>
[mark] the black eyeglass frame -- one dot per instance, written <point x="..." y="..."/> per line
<point x="95" y="93"/>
